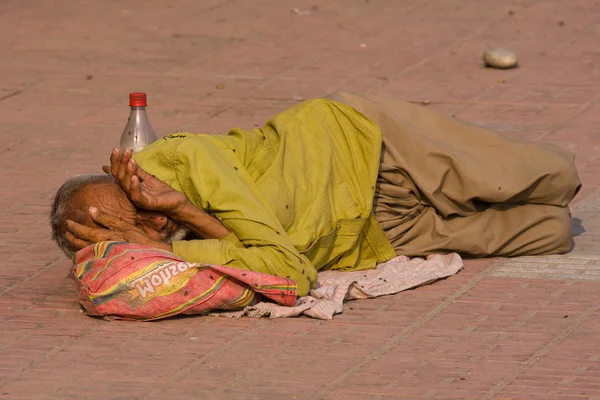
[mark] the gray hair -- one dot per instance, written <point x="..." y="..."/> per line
<point x="62" y="209"/>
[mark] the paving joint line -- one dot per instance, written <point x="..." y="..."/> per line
<point x="23" y="89"/>
<point x="9" y="148"/>
<point x="239" y="378"/>
<point x="582" y="109"/>
<point x="579" y="200"/>
<point x="451" y="45"/>
<point x="12" y="94"/>
<point x="55" y="350"/>
<point x="408" y="331"/>
<point x="560" y="336"/>
<point x="463" y="105"/>
<point x="562" y="123"/>
<point x="30" y="277"/>
<point x="312" y="60"/>
<point x="248" y="94"/>
<point x="41" y="195"/>
<point x="543" y="351"/>
<point x="207" y="357"/>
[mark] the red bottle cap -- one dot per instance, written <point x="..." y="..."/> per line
<point x="137" y="99"/>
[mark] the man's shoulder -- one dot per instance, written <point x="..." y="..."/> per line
<point x="179" y="141"/>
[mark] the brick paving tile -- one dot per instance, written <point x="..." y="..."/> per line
<point x="485" y="333"/>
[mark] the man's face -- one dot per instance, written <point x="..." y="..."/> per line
<point x="111" y="199"/>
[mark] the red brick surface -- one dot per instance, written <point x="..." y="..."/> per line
<point x="210" y="65"/>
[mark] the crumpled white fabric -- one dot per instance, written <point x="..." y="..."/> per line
<point x="335" y="287"/>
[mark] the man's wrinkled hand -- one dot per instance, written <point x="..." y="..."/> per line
<point x="144" y="190"/>
<point x="113" y="229"/>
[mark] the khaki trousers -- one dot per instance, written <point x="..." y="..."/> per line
<point x="449" y="186"/>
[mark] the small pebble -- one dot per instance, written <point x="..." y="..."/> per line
<point x="500" y="58"/>
<point x="300" y="12"/>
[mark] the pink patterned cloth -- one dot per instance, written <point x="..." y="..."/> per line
<point x="129" y="281"/>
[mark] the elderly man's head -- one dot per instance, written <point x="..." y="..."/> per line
<point x="80" y="192"/>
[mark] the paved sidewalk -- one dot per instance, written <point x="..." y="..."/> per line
<point x="499" y="329"/>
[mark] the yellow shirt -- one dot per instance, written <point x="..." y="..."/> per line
<point x="297" y="194"/>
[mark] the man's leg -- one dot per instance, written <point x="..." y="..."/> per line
<point x="446" y="185"/>
<point x="415" y="228"/>
<point x="500" y="230"/>
<point x="456" y="165"/>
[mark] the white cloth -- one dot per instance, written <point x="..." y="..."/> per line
<point x="334" y="287"/>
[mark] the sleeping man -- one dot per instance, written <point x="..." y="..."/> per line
<point x="339" y="183"/>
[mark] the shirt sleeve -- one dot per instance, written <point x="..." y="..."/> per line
<point x="233" y="239"/>
<point x="214" y="178"/>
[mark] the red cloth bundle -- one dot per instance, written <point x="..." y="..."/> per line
<point x="130" y="281"/>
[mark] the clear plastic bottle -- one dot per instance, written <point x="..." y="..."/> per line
<point x="138" y="132"/>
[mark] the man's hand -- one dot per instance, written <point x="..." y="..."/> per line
<point x="144" y="190"/>
<point x="115" y="229"/>
<point x="150" y="193"/>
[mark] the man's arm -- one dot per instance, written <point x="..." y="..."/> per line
<point x="203" y="224"/>
<point x="215" y="180"/>
<point x="150" y="193"/>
